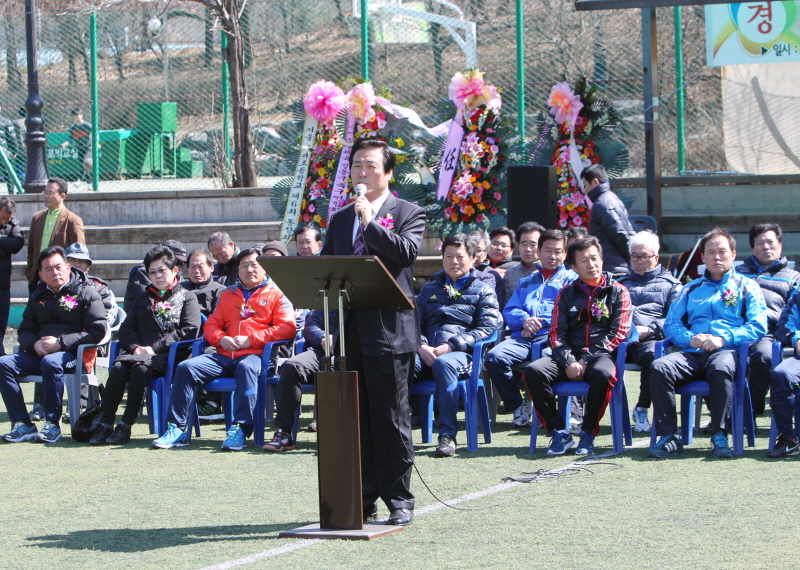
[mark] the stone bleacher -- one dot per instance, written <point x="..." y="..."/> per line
<point x="121" y="227"/>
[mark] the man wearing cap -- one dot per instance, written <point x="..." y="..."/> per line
<point x="53" y="226"/>
<point x="224" y="251"/>
<point x="138" y="280"/>
<point x="78" y="256"/>
<point x="80" y="136"/>
<point x="274" y="249"/>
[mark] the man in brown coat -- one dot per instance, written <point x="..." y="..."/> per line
<point x="55" y="225"/>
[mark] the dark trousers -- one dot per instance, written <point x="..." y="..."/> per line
<point x="759" y="370"/>
<point x="387" y="452"/>
<point x="642" y="355"/>
<point x="782" y="398"/>
<point x="51" y="367"/>
<point x="680" y="368"/>
<point x="137" y="376"/>
<point x="5" y="308"/>
<point x="296" y="371"/>
<point x="540" y="375"/>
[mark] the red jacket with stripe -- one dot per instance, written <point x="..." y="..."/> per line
<point x="589" y="321"/>
<point x="267" y="316"/>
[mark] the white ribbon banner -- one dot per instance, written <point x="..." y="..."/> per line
<point x="413" y="117"/>
<point x="343" y="170"/>
<point x="449" y="160"/>
<point x="292" y="215"/>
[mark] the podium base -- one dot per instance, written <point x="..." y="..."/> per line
<point x="369" y="532"/>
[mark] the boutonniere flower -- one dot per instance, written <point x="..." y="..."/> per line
<point x="600" y="310"/>
<point x="68" y="303"/>
<point x="245" y="311"/>
<point x="452" y="292"/>
<point x="729" y="298"/>
<point x="387" y="222"/>
<point x="162" y="309"/>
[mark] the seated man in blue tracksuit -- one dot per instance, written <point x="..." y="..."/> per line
<point x="711" y="318"/>
<point x="527" y="315"/>
<point x="785" y="379"/>
<point x="769" y="268"/>
<point x="456" y="311"/>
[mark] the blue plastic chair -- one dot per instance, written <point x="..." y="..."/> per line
<point x="228" y="384"/>
<point x="618" y="406"/>
<point x="778" y="353"/>
<point x="741" y="411"/>
<point x="472" y="391"/>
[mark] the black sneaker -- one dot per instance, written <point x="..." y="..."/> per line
<point x="784" y="447"/>
<point x="665" y="446"/>
<point x="281" y="441"/>
<point x="446" y="447"/>
<point x="100" y="436"/>
<point x="120" y="436"/>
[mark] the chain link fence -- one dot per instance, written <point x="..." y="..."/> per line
<point x="162" y="101"/>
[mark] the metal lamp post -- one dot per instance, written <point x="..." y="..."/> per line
<point x="36" y="173"/>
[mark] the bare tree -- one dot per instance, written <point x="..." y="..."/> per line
<point x="229" y="14"/>
<point x="13" y="74"/>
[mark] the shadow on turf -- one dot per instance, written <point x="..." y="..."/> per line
<point x="141" y="540"/>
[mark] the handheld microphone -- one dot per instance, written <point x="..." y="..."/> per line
<point x="361" y="190"/>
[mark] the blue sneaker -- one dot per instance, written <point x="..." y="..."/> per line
<point x="234" y="439"/>
<point x="586" y="444"/>
<point x="561" y="442"/>
<point x="719" y="441"/>
<point x="50" y="433"/>
<point x="173" y="437"/>
<point x="665" y="446"/>
<point x="21" y="432"/>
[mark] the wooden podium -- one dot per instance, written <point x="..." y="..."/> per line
<point x="358" y="283"/>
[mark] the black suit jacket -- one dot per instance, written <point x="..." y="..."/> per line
<point x="383" y="332"/>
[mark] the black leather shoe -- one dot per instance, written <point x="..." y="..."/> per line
<point x="370" y="513"/>
<point x="401" y="517"/>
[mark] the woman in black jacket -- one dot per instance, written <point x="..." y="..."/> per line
<point x="163" y="314"/>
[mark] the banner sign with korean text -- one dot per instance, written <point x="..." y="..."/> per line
<point x="752" y="32"/>
<point x="292" y="215"/>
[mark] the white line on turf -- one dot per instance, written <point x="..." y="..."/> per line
<point x="418" y="512"/>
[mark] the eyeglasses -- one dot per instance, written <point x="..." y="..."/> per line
<point x="641" y="258"/>
<point x="501" y="245"/>
<point x="251" y="265"/>
<point x="158" y="272"/>
<point x="48" y="193"/>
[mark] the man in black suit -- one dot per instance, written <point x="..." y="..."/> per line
<point x="380" y="345"/>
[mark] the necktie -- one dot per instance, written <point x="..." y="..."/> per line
<point x="358" y="243"/>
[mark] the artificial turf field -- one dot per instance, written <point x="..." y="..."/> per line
<point x="70" y="505"/>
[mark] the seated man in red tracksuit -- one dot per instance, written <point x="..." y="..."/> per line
<point x="591" y="317"/>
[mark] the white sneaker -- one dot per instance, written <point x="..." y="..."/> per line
<point x="575" y="424"/>
<point x="522" y="415"/>
<point x="642" y="423"/>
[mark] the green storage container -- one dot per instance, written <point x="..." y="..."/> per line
<point x="184" y="154"/>
<point x="190" y="169"/>
<point x="144" y="155"/>
<point x="157" y="118"/>
<point x="63" y="162"/>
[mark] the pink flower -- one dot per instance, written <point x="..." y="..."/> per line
<point x="361" y="99"/>
<point x="469" y="90"/>
<point x="564" y="104"/>
<point x="324" y="101"/>
<point x="387" y="222"/>
<point x="479" y="218"/>
<point x="498" y="196"/>
<point x="312" y="208"/>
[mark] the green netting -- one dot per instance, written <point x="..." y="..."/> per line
<point x="161" y="87"/>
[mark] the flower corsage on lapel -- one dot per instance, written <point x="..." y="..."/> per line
<point x="452" y="292"/>
<point x="162" y="310"/>
<point x="387" y="222"/>
<point x="730" y="298"/>
<point x="68" y="303"/>
<point x="245" y="311"/>
<point x="600" y="310"/>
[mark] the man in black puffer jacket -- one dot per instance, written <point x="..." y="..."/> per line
<point x="652" y="290"/>
<point x="778" y="283"/>
<point x="64" y="311"/>
<point x="456" y="310"/>
<point x="609" y="221"/>
<point x="11" y="242"/>
<point x="591" y="317"/>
